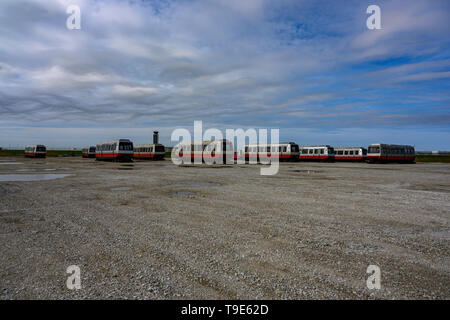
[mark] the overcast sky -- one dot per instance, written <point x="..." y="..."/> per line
<point x="310" y="68"/>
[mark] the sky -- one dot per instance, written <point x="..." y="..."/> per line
<point x="310" y="68"/>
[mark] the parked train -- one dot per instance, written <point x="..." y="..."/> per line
<point x="149" y="152"/>
<point x="115" y="150"/>
<point x="88" y="152"/>
<point x="285" y="151"/>
<point x="211" y="151"/>
<point x="35" y="151"/>
<point x="391" y="153"/>
<point x="317" y="153"/>
<point x="350" y="154"/>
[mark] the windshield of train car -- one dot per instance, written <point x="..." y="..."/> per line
<point x="330" y="150"/>
<point x="126" y="146"/>
<point x="294" y="148"/>
<point x="159" y="148"/>
<point x="374" y="149"/>
<point x="40" y="148"/>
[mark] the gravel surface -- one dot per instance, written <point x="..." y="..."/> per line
<point x="156" y="231"/>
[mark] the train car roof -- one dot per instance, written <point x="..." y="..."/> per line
<point x="318" y="146"/>
<point x="265" y="144"/>
<point x="115" y="141"/>
<point x="390" y="145"/>
<point x="204" y="141"/>
<point x="148" y="145"/>
<point x="349" y="148"/>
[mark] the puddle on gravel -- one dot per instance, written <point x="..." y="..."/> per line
<point x="32" y="177"/>
<point x="193" y="184"/>
<point x="121" y="189"/>
<point x="307" y="171"/>
<point x="25" y="170"/>
<point x="189" y="194"/>
<point x="11" y="163"/>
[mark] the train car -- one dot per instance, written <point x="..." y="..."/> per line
<point x="88" y="152"/>
<point x="350" y="154"/>
<point x="317" y="153"/>
<point x="115" y="150"/>
<point x="35" y="151"/>
<point x="379" y="152"/>
<point x="149" y="152"/>
<point x="217" y="149"/>
<point x="285" y="151"/>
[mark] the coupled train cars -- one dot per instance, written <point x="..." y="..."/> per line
<point x="210" y="151"/>
<point x="350" y="154"/>
<point x="116" y="150"/>
<point x="35" y="151"/>
<point x="390" y="153"/>
<point x="284" y="151"/>
<point x="222" y="151"/>
<point x="149" y="152"/>
<point x="88" y="152"/>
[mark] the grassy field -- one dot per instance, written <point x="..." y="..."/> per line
<point x="50" y="153"/>
<point x="432" y="158"/>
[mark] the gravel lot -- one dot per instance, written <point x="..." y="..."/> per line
<point x="153" y="230"/>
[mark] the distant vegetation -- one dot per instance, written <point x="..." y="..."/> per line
<point x="75" y="153"/>
<point x="432" y="158"/>
<point x="50" y="153"/>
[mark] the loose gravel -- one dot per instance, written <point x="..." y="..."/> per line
<point x="151" y="230"/>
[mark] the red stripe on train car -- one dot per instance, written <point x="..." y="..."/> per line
<point x="348" y="158"/>
<point x="316" y="157"/>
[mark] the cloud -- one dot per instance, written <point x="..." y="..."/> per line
<point x="229" y="63"/>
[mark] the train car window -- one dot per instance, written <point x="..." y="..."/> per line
<point x="322" y="151"/>
<point x="346" y="152"/>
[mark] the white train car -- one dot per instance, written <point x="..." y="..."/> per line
<point x="350" y="154"/>
<point x="115" y="150"/>
<point x="149" y="152"/>
<point x="211" y="151"/>
<point x="379" y="152"/>
<point x="284" y="151"/>
<point x="35" y="151"/>
<point x="88" y="152"/>
<point x="317" y="153"/>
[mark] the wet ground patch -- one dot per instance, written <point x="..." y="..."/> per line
<point x="188" y="194"/>
<point x="32" y="177"/>
<point x="121" y="189"/>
